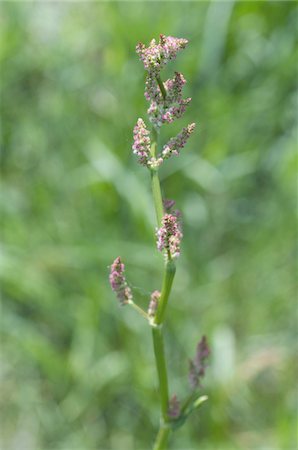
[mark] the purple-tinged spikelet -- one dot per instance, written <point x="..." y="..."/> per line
<point x="174" y="87"/>
<point x="118" y="282"/>
<point x="168" y="204"/>
<point x="169" y="235"/>
<point x="175" y="144"/>
<point x="168" y="207"/>
<point x="174" y="407"/>
<point x="155" y="296"/>
<point x="198" y="365"/>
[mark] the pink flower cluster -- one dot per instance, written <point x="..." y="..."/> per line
<point x="166" y="101"/>
<point x="175" y="144"/>
<point x="172" y="107"/>
<point x="198" y="365"/>
<point x="118" y="282"/>
<point x="157" y="55"/>
<point x="141" y="145"/>
<point x="169" y="235"/>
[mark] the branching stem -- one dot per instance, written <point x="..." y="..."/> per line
<point x="162" y="438"/>
<point x="157" y="331"/>
<point x="138" y="309"/>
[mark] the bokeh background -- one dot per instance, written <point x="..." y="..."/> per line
<point x="77" y="371"/>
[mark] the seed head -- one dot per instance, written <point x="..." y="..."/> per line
<point x="169" y="235"/>
<point x="175" y="144"/>
<point x="118" y="282"/>
<point x="174" y="407"/>
<point x="197" y="366"/>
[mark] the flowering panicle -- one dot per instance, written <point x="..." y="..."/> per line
<point x="166" y="101"/>
<point x="175" y="144"/>
<point x="156" y="56"/>
<point x="166" y="104"/>
<point x="118" y="282"/>
<point x="155" y="296"/>
<point x="198" y="365"/>
<point x="174" y="407"/>
<point x="169" y="235"/>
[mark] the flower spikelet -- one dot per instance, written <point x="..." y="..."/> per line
<point x="118" y="282"/>
<point x="198" y="365"/>
<point x="174" y="407"/>
<point x="175" y="144"/>
<point x="152" y="91"/>
<point x="169" y="235"/>
<point x="174" y="87"/>
<point x="141" y="145"/>
<point x="168" y="204"/>
<point x="155" y="296"/>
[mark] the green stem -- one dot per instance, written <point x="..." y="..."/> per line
<point x="161" y="87"/>
<point x="155" y="183"/>
<point x="160" y="360"/>
<point x="187" y="402"/>
<point x="168" y="277"/>
<point x="162" y="438"/>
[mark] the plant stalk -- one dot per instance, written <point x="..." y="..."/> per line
<point x="168" y="277"/>
<point x="162" y="438"/>
<point x="161" y="87"/>
<point x="155" y="183"/>
<point x="157" y="333"/>
<point x="160" y="360"/>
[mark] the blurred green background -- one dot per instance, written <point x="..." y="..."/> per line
<point x="77" y="371"/>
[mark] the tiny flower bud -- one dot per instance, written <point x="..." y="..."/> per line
<point x="118" y="282"/>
